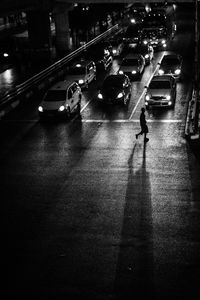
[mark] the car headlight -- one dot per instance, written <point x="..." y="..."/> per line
<point x="81" y="81"/>
<point x="40" y="108"/>
<point x="163" y="41"/>
<point x="100" y="96"/>
<point x="170" y="103"/>
<point x="147" y="97"/>
<point x="61" y="108"/>
<point x="133" y="72"/>
<point x="121" y="72"/>
<point x="177" y="71"/>
<point x="133" y="21"/>
<point x="168" y="97"/>
<point x="145" y="42"/>
<point x="160" y="72"/>
<point x="146" y="103"/>
<point x="120" y="95"/>
<point x="114" y="51"/>
<point x="164" y="45"/>
<point x="146" y="55"/>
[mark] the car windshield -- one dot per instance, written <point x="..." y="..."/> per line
<point x="77" y="70"/>
<point x="113" y="81"/>
<point x="170" y="61"/>
<point x="53" y="96"/>
<point x="130" y="62"/>
<point x="159" y="85"/>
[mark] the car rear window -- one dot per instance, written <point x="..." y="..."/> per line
<point x="159" y="85"/>
<point x="115" y="81"/>
<point x="53" y="96"/>
<point x="130" y="62"/>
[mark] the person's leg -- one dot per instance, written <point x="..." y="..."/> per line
<point x="140" y="133"/>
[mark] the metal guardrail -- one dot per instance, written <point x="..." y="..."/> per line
<point x="37" y="79"/>
<point x="192" y="119"/>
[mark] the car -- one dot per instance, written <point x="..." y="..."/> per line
<point x="101" y="54"/>
<point x="156" y="37"/>
<point x="83" y="72"/>
<point x="132" y="65"/>
<point x="132" y="35"/>
<point x="171" y="64"/>
<point x="116" y="88"/>
<point x="146" y="50"/>
<point x="62" y="99"/>
<point x="117" y="45"/>
<point x="161" y="92"/>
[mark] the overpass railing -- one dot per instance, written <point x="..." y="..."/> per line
<point x="41" y="80"/>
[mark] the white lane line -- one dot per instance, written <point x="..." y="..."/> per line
<point x="129" y="121"/>
<point x="144" y="90"/>
<point x="82" y="109"/>
<point x="100" y="121"/>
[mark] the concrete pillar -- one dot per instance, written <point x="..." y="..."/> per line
<point x="60" y="15"/>
<point x="39" y="31"/>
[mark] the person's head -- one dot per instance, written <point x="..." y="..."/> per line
<point x="142" y="109"/>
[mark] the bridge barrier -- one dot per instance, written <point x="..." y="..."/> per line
<point x="42" y="80"/>
<point x="193" y="117"/>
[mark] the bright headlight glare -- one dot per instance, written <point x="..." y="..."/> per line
<point x="164" y="45"/>
<point x="160" y="72"/>
<point x="121" y="72"/>
<point x="168" y="97"/>
<point x="145" y="42"/>
<point x="40" y="108"/>
<point x="133" y="21"/>
<point x="146" y="103"/>
<point x="163" y="42"/>
<point x="147" y="97"/>
<point x="120" y="95"/>
<point x="100" y="96"/>
<point x="147" y="56"/>
<point x="133" y="72"/>
<point x="114" y="51"/>
<point x="61" y="108"/>
<point x="170" y="103"/>
<point x="81" y="81"/>
<point x="177" y="71"/>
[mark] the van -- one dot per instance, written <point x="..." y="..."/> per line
<point x="61" y="99"/>
<point x="83" y="72"/>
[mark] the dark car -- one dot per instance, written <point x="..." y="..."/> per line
<point x="101" y="54"/>
<point x="132" y="34"/>
<point x="115" y="89"/>
<point x="117" y="45"/>
<point x="146" y="50"/>
<point x="171" y="64"/>
<point x="132" y="65"/>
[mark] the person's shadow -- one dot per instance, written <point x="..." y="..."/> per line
<point x="134" y="272"/>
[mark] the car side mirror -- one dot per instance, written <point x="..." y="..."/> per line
<point x="145" y="86"/>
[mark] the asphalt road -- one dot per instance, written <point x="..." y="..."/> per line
<point x="89" y="212"/>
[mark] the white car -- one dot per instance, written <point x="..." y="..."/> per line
<point x="83" y="72"/>
<point x="161" y="92"/>
<point x="61" y="99"/>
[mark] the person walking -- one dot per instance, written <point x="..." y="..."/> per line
<point x="143" y="125"/>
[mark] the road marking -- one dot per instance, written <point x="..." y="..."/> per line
<point x="129" y="121"/>
<point x="134" y="109"/>
<point x="101" y="121"/>
<point x="86" y="105"/>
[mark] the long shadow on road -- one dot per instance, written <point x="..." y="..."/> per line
<point x="134" y="272"/>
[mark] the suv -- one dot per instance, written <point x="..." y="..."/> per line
<point x="83" y="71"/>
<point x="132" y="65"/>
<point x="61" y="99"/>
<point x="161" y="92"/>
